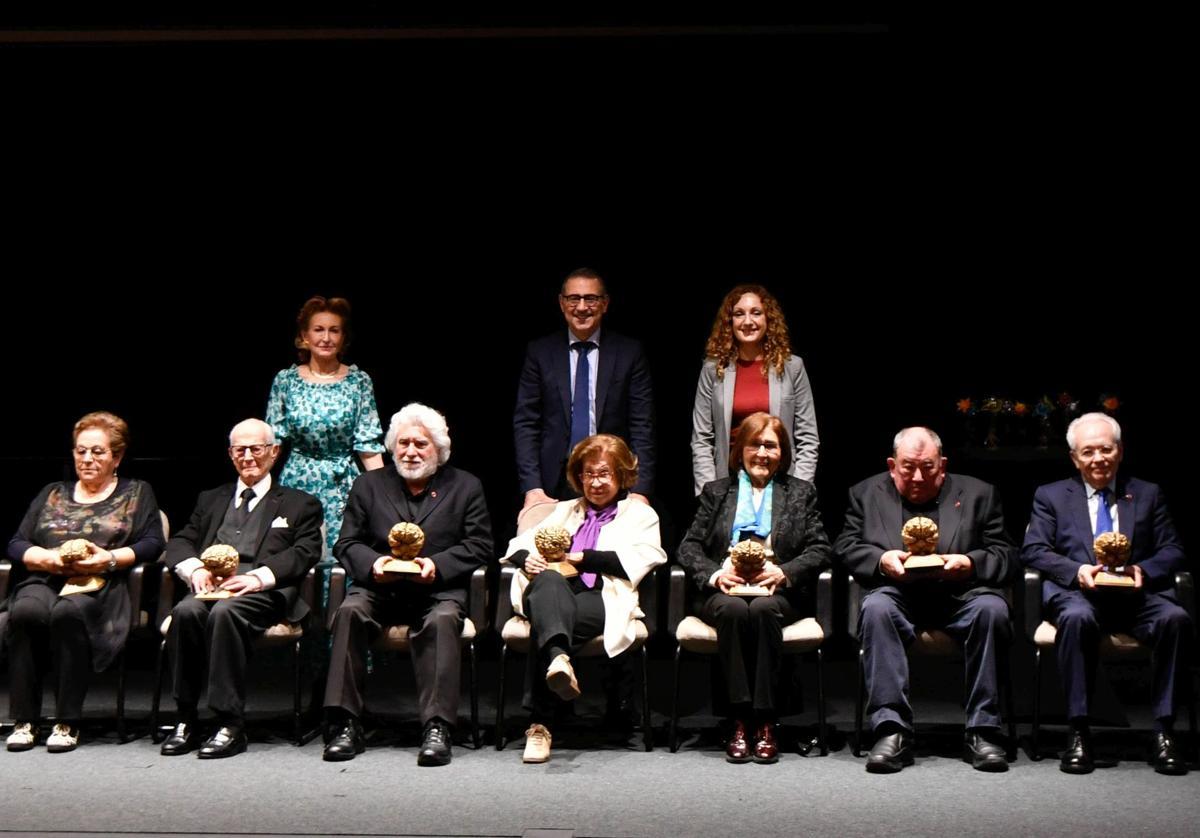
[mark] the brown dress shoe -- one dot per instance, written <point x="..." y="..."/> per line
<point x="738" y="749"/>
<point x="765" y="749"/>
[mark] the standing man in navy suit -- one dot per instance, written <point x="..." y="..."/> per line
<point x="1067" y="516"/>
<point x="578" y="384"/>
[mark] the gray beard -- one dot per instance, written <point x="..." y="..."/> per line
<point x="419" y="472"/>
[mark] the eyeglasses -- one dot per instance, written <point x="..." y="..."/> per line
<point x="909" y="469"/>
<point x="96" y="451"/>
<point x="589" y="300"/>
<point x="256" y="451"/>
<point x="1098" y="451"/>
<point x="604" y="476"/>
<point x="770" y="446"/>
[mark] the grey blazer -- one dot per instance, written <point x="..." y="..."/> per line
<point x="790" y="399"/>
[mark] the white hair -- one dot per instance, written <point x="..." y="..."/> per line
<point x="1093" y="417"/>
<point x="433" y="422"/>
<point x="254" y="424"/>
<point x="899" y="438"/>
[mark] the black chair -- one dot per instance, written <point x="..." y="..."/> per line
<point x="284" y="634"/>
<point x="695" y="636"/>
<point x="395" y="638"/>
<point x="1114" y="646"/>
<point x="515" y="631"/>
<point x="930" y="643"/>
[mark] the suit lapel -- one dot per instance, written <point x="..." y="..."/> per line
<point x="437" y="494"/>
<point x="220" y="507"/>
<point x="781" y="517"/>
<point x="270" y="509"/>
<point x="1077" y="502"/>
<point x="560" y="365"/>
<point x="725" y="410"/>
<point x="392" y="487"/>
<point x="1126" y="514"/>
<point x="949" y="517"/>
<point x="888" y="509"/>
<point x="725" y="525"/>
<point x="604" y="375"/>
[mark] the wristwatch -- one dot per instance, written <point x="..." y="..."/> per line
<point x="112" y="563"/>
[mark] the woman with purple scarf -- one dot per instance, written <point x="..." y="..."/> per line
<point x="614" y="544"/>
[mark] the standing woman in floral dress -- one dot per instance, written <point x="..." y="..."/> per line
<point x="326" y="410"/>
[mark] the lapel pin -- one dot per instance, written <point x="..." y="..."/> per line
<point x="957" y="504"/>
<point x="433" y="494"/>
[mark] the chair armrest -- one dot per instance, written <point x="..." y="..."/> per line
<point x="137" y="576"/>
<point x="648" y="601"/>
<point x="337" y="593"/>
<point x="309" y="591"/>
<point x="504" y="610"/>
<point x="854" y="598"/>
<point x="1032" y="594"/>
<point x="166" y="596"/>
<point x="825" y="602"/>
<point x="477" y="599"/>
<point x="5" y="572"/>
<point x="676" y="598"/>
<point x="1185" y="593"/>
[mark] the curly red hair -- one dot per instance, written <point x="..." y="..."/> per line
<point x="776" y="346"/>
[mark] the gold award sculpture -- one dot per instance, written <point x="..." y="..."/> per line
<point x="406" y="540"/>
<point x="76" y="550"/>
<point x="552" y="544"/>
<point x="1112" y="553"/>
<point x="748" y="558"/>
<point x="920" y="537"/>
<point x="221" y="560"/>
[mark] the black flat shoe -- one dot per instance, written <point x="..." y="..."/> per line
<point x="1167" y="758"/>
<point x="891" y="753"/>
<point x="184" y="739"/>
<point x="228" y="741"/>
<point x="1077" y="758"/>
<point x="983" y="753"/>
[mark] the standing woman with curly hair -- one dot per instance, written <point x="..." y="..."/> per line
<point x="326" y="410"/>
<point x="749" y="367"/>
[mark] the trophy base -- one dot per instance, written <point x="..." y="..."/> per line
<point x="1105" y="579"/>
<point x="749" y="590"/>
<point x="562" y="568"/>
<point x="82" y="585"/>
<point x="923" y="563"/>
<point x="401" y="566"/>
<point x="214" y="595"/>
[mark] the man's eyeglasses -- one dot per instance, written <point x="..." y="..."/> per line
<point x="589" y="300"/>
<point x="256" y="451"/>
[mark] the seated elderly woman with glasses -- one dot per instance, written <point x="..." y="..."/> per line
<point x="759" y="501"/>
<point x="69" y="608"/>
<point x="605" y="543"/>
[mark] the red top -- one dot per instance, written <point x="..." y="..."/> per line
<point x="751" y="393"/>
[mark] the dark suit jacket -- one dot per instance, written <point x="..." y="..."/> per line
<point x="458" y="531"/>
<point x="970" y="522"/>
<point x="290" y="552"/>
<point x="797" y="534"/>
<point x="542" y="418"/>
<point x="1059" y="538"/>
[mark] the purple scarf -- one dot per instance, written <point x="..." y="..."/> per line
<point x="589" y="533"/>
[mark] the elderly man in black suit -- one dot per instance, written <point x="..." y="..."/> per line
<point x="449" y="507"/>
<point x="964" y="598"/>
<point x="277" y="533"/>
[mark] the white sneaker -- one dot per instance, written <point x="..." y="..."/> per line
<point x="560" y="678"/>
<point x="22" y="738"/>
<point x="537" y="744"/>
<point x="63" y="738"/>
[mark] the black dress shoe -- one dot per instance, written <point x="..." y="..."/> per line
<point x="228" y="741"/>
<point x="1077" y="758"/>
<point x="347" y="743"/>
<point x="183" y="739"/>
<point x="983" y="753"/>
<point x="891" y="753"/>
<point x="1167" y="758"/>
<point x="435" y="744"/>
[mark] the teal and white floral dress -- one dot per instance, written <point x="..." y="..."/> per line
<point x="325" y="423"/>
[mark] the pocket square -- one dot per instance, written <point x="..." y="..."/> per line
<point x="279" y="522"/>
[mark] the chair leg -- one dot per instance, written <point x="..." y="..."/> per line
<point x="156" y="699"/>
<point x="1034" y="751"/>
<point x="121" y="697"/>
<point x="297" y="719"/>
<point x="647" y="728"/>
<point x="1009" y="711"/>
<point x="858" y="707"/>
<point x="474" y="688"/>
<point x="672" y="735"/>
<point x="500" y="741"/>
<point x="822" y="736"/>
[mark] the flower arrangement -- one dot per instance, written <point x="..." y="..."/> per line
<point x="995" y="422"/>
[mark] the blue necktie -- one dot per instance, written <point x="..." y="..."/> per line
<point x="581" y="403"/>
<point x="1103" y="518"/>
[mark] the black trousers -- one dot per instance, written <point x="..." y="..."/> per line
<point x="750" y="645"/>
<point x="887" y="626"/>
<point x="563" y="615"/>
<point x="43" y="628"/>
<point x="435" y="629"/>
<point x="1155" y="620"/>
<point x="216" y="635"/>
